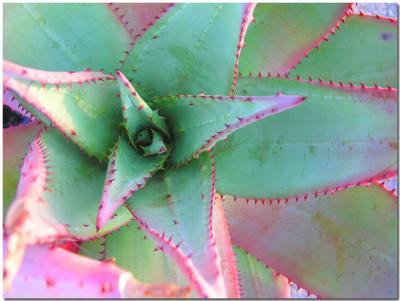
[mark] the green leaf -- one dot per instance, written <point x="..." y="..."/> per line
<point x="16" y="141"/>
<point x="259" y="281"/>
<point x="283" y="33"/>
<point x="338" y="137"/>
<point x="137" y="114"/>
<point x="175" y="210"/>
<point x="132" y="251"/>
<point x="341" y="245"/>
<point x="60" y="192"/>
<point x="128" y="171"/>
<point x="197" y="123"/>
<point x="75" y="187"/>
<point x="372" y="59"/>
<point x="173" y="58"/>
<point x="89" y="115"/>
<point x="63" y="36"/>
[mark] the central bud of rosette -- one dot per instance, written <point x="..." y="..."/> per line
<point x="147" y="131"/>
<point x="150" y="141"/>
<point x="196" y="124"/>
<point x="140" y="151"/>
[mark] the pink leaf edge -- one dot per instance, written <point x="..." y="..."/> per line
<point x="25" y="224"/>
<point x="54" y="78"/>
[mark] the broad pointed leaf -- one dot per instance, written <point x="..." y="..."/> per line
<point x="173" y="58"/>
<point x="71" y="34"/>
<point x="258" y="280"/>
<point x="68" y="275"/>
<point x="76" y="185"/>
<point x="175" y="210"/>
<point x="372" y="59"/>
<point x="57" y="197"/>
<point x="137" y="114"/>
<point x="341" y="245"/>
<point x="340" y="136"/>
<point x="72" y="191"/>
<point x="128" y="171"/>
<point x="197" y="123"/>
<point x="16" y="141"/>
<point x="282" y="34"/>
<point x="89" y="115"/>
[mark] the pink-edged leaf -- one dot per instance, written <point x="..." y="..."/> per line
<point x="52" y="272"/>
<point x="246" y="19"/>
<point x="172" y="57"/>
<point x="372" y="61"/>
<point x="175" y="209"/>
<point x="282" y="34"/>
<point x="18" y="104"/>
<point x="66" y="36"/>
<point x="16" y="141"/>
<point x="136" y="112"/>
<point x="87" y="114"/>
<point x="198" y="122"/>
<point x="13" y="103"/>
<point x="224" y="245"/>
<point x="341" y="136"/>
<point x="128" y="171"/>
<point x="25" y="223"/>
<point x="52" y="77"/>
<point x="340" y="245"/>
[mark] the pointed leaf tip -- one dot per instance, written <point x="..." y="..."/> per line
<point x="137" y="114"/>
<point x="128" y="171"/>
<point x="198" y="122"/>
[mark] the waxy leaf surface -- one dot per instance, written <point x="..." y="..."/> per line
<point x="282" y="34"/>
<point x="175" y="210"/>
<point x="340" y="245"/>
<point x="364" y="50"/>
<point x="337" y="137"/>
<point x="197" y="123"/>
<point x="137" y="114"/>
<point x="89" y="115"/>
<point x="73" y="189"/>
<point x="128" y="171"/>
<point x="173" y="58"/>
<point x="63" y="36"/>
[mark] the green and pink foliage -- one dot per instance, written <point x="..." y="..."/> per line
<point x="199" y="150"/>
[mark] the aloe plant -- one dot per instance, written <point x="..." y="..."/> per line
<point x="209" y="150"/>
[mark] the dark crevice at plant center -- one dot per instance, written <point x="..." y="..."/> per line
<point x="151" y="141"/>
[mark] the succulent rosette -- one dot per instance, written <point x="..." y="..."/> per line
<point x="247" y="142"/>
